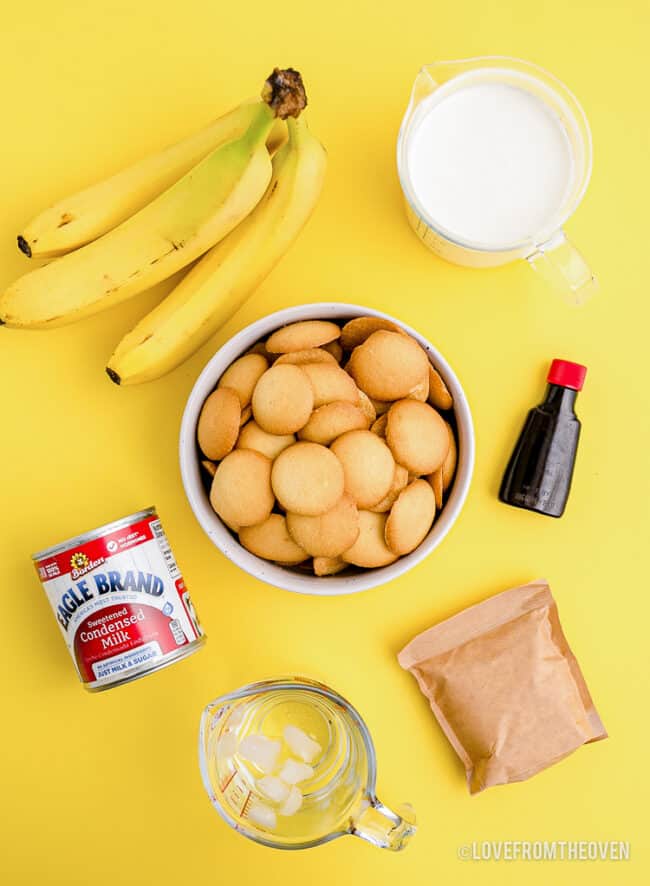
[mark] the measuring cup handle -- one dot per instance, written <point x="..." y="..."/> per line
<point x="560" y="264"/>
<point x="382" y="827"/>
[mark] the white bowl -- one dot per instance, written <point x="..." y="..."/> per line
<point x="280" y="576"/>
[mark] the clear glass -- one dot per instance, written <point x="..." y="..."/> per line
<point x="339" y="798"/>
<point x="548" y="251"/>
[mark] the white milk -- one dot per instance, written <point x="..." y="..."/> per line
<point x="489" y="163"/>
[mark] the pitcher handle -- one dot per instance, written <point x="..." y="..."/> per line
<point x="382" y="827"/>
<point x="560" y="264"/>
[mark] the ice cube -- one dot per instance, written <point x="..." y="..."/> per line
<point x="273" y="788"/>
<point x="301" y="744"/>
<point x="236" y="716"/>
<point x="261" y="751"/>
<point x="263" y="815"/>
<point x="227" y="744"/>
<point x="293" y="802"/>
<point x="292" y="772"/>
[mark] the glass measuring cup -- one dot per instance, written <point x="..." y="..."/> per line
<point x="547" y="249"/>
<point x="338" y="799"/>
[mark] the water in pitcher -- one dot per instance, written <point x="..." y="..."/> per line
<point x="290" y="762"/>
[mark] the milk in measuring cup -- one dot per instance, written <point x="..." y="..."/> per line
<point x="490" y="163"/>
<point x="493" y="156"/>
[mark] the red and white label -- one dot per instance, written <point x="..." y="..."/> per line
<point x="120" y="601"/>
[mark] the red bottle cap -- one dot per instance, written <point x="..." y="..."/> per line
<point x="567" y="374"/>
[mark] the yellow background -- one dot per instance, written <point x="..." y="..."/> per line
<point x="105" y="789"/>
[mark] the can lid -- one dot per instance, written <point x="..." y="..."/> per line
<point x="93" y="534"/>
<point x="567" y="374"/>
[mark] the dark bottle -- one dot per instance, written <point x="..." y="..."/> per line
<point x="538" y="476"/>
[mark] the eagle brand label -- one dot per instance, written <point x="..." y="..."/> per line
<point x="120" y="601"/>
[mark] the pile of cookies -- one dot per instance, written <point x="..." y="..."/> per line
<point x="325" y="446"/>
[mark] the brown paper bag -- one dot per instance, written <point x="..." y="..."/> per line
<point x="505" y="687"/>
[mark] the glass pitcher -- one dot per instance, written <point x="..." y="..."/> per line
<point x="547" y="250"/>
<point x="332" y="782"/>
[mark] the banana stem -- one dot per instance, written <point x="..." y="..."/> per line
<point x="296" y="131"/>
<point x="263" y="123"/>
<point x="284" y="93"/>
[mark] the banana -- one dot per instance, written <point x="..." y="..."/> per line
<point x="216" y="287"/>
<point x="169" y="233"/>
<point x="86" y="215"/>
<point x="225" y="277"/>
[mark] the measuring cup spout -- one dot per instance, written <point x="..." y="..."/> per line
<point x="382" y="827"/>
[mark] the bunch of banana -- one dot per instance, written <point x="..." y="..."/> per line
<point x="144" y="224"/>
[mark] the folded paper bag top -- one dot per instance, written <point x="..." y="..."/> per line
<point x="505" y="687"/>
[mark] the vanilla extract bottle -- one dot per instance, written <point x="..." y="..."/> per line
<point x="539" y="473"/>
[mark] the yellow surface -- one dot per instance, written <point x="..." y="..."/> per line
<point x="105" y="789"/>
